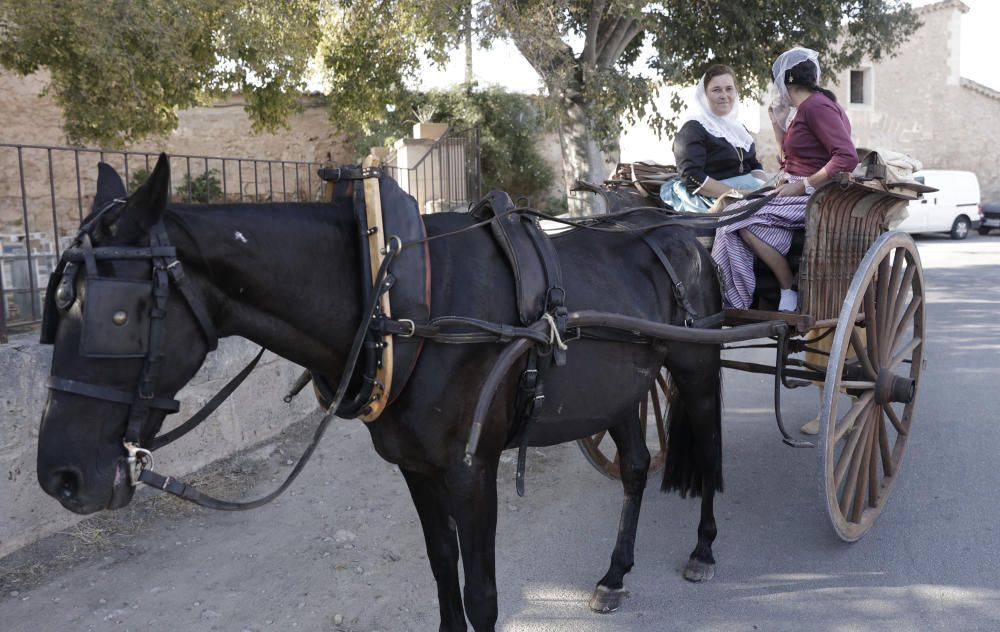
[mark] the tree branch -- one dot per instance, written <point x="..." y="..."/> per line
<point x="613" y="44"/>
<point x="540" y="41"/>
<point x="589" y="55"/>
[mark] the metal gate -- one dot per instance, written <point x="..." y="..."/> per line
<point x="446" y="177"/>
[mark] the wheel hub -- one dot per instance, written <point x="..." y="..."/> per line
<point x="890" y="387"/>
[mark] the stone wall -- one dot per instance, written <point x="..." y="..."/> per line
<point x="253" y="414"/>
<point x="922" y="106"/>
<point x="218" y="130"/>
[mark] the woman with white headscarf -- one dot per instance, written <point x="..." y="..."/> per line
<point x="713" y="151"/>
<point x="814" y="136"/>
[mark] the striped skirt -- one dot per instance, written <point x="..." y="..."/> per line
<point x="773" y="224"/>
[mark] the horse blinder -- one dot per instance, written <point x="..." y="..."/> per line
<point x="116" y="318"/>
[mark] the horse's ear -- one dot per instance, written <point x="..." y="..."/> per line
<point x="144" y="207"/>
<point x="109" y="186"/>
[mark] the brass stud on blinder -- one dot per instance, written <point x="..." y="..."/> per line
<point x="62" y="294"/>
<point x="119" y="318"/>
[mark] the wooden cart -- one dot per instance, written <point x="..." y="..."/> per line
<point x="861" y="317"/>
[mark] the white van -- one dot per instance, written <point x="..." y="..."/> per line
<point x="951" y="209"/>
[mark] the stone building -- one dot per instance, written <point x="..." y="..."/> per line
<point x="917" y="102"/>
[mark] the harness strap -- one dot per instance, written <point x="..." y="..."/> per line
<point x="176" y="271"/>
<point x="678" y="286"/>
<point x="344" y="172"/>
<point x="555" y="292"/>
<point x="206" y="410"/>
<point x="102" y="253"/>
<point x="150" y="374"/>
<point x="191" y="494"/>
<point x="87" y="251"/>
<point x="528" y="406"/>
<point x="487" y="331"/>
<point x="108" y="394"/>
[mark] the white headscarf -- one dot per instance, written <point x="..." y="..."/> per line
<point x="782" y="103"/>
<point x="728" y="126"/>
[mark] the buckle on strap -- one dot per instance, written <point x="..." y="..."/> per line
<point x="413" y="327"/>
<point x="138" y="459"/>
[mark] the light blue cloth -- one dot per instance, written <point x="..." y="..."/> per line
<point x="675" y="193"/>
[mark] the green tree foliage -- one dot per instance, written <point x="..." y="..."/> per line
<point x="121" y="69"/>
<point x="587" y="53"/>
<point x="588" y="50"/>
<point x="510" y="126"/>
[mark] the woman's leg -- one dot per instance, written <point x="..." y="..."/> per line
<point x="771" y="257"/>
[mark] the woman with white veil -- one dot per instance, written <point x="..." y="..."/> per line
<point x="714" y="153"/>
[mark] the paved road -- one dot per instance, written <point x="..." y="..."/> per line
<point x="931" y="562"/>
<point x="343" y="552"/>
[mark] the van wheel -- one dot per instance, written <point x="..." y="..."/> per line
<point x="960" y="229"/>
<point x="984" y="230"/>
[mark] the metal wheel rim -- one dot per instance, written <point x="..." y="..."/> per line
<point x="860" y="460"/>
<point x="961" y="228"/>
<point x="599" y="449"/>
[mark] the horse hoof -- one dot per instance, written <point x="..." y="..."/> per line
<point x="698" y="571"/>
<point x="606" y="600"/>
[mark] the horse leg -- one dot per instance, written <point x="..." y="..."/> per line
<point x="473" y="491"/>
<point x="430" y="498"/>
<point x="634" y="463"/>
<point x="703" y="406"/>
<point x="701" y="565"/>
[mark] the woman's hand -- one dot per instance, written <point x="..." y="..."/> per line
<point x="789" y="189"/>
<point x="778" y="111"/>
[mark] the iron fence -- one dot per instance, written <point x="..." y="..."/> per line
<point x="42" y="206"/>
<point x="46" y="191"/>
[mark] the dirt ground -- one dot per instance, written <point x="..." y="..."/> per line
<point x="342" y="550"/>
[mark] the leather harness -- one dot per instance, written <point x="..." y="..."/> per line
<point x="392" y="309"/>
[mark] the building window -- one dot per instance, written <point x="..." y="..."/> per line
<point x="861" y="87"/>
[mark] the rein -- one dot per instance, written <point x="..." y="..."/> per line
<point x="594" y="222"/>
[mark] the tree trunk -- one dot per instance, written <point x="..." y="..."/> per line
<point x="582" y="158"/>
<point x="467" y="26"/>
<point x="564" y="74"/>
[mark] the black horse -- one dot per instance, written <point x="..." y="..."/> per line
<point x="286" y="276"/>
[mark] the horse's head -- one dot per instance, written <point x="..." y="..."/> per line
<point x="125" y="341"/>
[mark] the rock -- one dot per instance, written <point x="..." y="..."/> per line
<point x="344" y="535"/>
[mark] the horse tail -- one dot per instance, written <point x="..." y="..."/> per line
<point x="694" y="446"/>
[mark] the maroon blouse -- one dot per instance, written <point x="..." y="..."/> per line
<point x="819" y="136"/>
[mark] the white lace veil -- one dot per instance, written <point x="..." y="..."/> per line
<point x="728" y="126"/>
<point x="781" y="103"/>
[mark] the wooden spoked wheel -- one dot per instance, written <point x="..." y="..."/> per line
<point x="600" y="450"/>
<point x="871" y="384"/>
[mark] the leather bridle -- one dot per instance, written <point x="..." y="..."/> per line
<point x="167" y="271"/>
